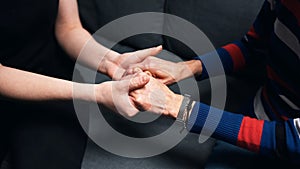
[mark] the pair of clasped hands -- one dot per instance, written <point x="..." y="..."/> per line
<point x="142" y="85"/>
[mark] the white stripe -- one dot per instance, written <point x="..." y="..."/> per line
<point x="297" y="126"/>
<point x="290" y="103"/>
<point x="272" y="4"/>
<point x="258" y="107"/>
<point x="287" y="36"/>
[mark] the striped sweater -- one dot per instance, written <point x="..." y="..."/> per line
<point x="275" y="129"/>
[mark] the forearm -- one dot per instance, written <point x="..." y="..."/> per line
<point x="21" y="85"/>
<point x="260" y="136"/>
<point x="78" y="42"/>
<point x="74" y="38"/>
<point x="225" y="60"/>
<point x="190" y="68"/>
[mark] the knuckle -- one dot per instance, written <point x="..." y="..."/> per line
<point x="139" y="99"/>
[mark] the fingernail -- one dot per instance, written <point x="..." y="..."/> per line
<point x="144" y="78"/>
<point x="137" y="70"/>
<point x="148" y="73"/>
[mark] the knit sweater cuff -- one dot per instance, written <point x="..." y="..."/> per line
<point x="215" y="122"/>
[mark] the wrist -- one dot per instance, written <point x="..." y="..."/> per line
<point x="184" y="111"/>
<point x="85" y="92"/>
<point x="113" y="67"/>
<point x="195" y="66"/>
<point x="192" y="106"/>
<point x="189" y="68"/>
<point x="101" y="92"/>
<point x="108" y="64"/>
<point x="174" y="106"/>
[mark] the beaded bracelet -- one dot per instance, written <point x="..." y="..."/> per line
<point x="184" y="110"/>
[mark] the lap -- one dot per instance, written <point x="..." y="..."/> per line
<point x="46" y="135"/>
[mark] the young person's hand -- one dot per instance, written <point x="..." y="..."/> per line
<point x="115" y="65"/>
<point x="115" y="94"/>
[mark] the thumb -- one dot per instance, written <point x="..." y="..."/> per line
<point x="143" y="54"/>
<point x="130" y="111"/>
<point x="139" y="81"/>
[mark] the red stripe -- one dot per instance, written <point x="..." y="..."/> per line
<point x="284" y="118"/>
<point x="294" y="7"/>
<point x="250" y="134"/>
<point x="252" y="33"/>
<point x="236" y="56"/>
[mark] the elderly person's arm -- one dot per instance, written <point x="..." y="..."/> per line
<point x="233" y="57"/>
<point x="239" y="129"/>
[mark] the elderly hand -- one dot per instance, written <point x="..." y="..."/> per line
<point x="158" y="98"/>
<point x="116" y="64"/>
<point x="168" y="72"/>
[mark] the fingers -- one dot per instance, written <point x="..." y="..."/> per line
<point x="143" y="54"/>
<point x="138" y="81"/>
<point x="148" y="73"/>
<point x="135" y="70"/>
<point x="132" y="71"/>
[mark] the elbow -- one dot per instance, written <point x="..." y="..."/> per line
<point x="62" y="30"/>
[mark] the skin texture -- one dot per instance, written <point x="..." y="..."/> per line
<point x="115" y="94"/>
<point x="168" y="72"/>
<point x="156" y="97"/>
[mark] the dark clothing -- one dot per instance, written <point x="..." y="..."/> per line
<point x="38" y="135"/>
<point x="42" y="136"/>
<point x="28" y="38"/>
<point x="273" y="126"/>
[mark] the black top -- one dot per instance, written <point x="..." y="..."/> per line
<point x="28" y="38"/>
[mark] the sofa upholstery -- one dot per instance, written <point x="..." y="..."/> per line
<point x="216" y="19"/>
<point x="221" y="21"/>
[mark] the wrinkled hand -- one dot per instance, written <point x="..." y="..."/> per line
<point x="165" y="71"/>
<point x="158" y="98"/>
<point x="115" y="66"/>
<point x="115" y="94"/>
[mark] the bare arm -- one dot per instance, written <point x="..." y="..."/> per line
<point x="73" y="38"/>
<point x="22" y="85"/>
